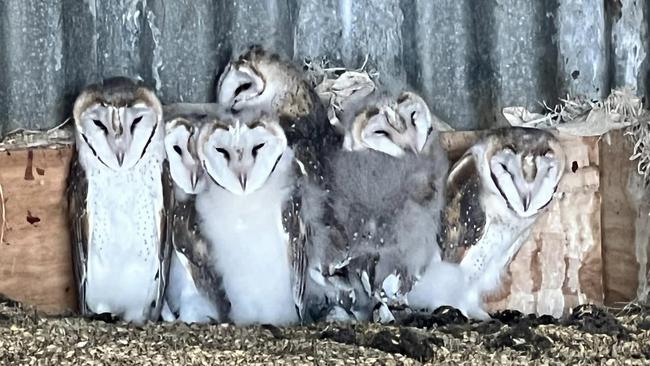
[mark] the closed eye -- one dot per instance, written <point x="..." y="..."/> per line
<point x="135" y="123"/>
<point x="224" y="152"/>
<point x="256" y="148"/>
<point x="413" y="118"/>
<point x="99" y="124"/>
<point x="382" y="133"/>
<point x="243" y="87"/>
<point x="178" y="150"/>
<point x="505" y="168"/>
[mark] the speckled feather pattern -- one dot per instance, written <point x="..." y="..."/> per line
<point x="196" y="292"/>
<point x="481" y="231"/>
<point x="130" y="243"/>
<point x="463" y="217"/>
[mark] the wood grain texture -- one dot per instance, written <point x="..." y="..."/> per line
<point x="619" y="218"/>
<point x="35" y="257"/>
<point x="560" y="265"/>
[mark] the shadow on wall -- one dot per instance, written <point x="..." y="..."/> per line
<point x="468" y="58"/>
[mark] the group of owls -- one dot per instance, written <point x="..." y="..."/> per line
<point x="273" y="207"/>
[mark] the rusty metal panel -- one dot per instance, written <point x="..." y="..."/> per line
<point x="469" y="58"/>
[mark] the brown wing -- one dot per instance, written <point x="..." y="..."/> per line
<point x="298" y="233"/>
<point x="464" y="217"/>
<point x="77" y="192"/>
<point x="189" y="243"/>
<point x="165" y="232"/>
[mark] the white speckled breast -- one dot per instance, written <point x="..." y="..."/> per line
<point x="123" y="267"/>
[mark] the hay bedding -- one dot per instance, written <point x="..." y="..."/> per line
<point x="589" y="336"/>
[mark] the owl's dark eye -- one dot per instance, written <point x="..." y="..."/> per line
<point x="382" y="133"/>
<point x="224" y="152"/>
<point x="178" y="150"/>
<point x="243" y="87"/>
<point x="135" y="123"/>
<point x="99" y="124"/>
<point x="413" y="118"/>
<point x="256" y="148"/>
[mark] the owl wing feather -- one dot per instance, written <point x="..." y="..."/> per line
<point x="464" y="217"/>
<point x="189" y="243"/>
<point x="77" y="193"/>
<point x="298" y="233"/>
<point x="165" y="239"/>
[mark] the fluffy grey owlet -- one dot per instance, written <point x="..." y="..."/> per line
<point x="394" y="155"/>
<point x="119" y="195"/>
<point x="382" y="214"/>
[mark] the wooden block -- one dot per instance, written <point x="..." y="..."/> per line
<point x="619" y="216"/>
<point x="35" y="257"/>
<point x="557" y="268"/>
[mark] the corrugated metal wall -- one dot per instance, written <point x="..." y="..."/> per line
<point x="468" y="57"/>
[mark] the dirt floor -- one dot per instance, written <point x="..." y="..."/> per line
<point x="590" y="336"/>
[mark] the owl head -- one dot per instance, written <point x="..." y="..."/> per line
<point x="116" y="121"/>
<point x="521" y="165"/>
<point x="393" y="126"/>
<point x="241" y="157"/>
<point x="181" y="146"/>
<point x="260" y="82"/>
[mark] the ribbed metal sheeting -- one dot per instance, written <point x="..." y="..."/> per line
<point x="469" y="58"/>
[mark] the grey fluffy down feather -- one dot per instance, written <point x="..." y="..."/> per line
<point x="382" y="213"/>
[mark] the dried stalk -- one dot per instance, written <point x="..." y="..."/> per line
<point x="4" y="216"/>
<point x="22" y="138"/>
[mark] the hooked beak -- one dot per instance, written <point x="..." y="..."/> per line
<point x="120" y="157"/>
<point x="194" y="179"/>
<point x="233" y="106"/>
<point x="414" y="149"/>
<point x="242" y="181"/>
<point x="526" y="200"/>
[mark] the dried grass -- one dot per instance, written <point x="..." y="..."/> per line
<point x="319" y="70"/>
<point x="582" y="116"/>
<point x="591" y="337"/>
<point x="22" y="138"/>
<point x="3" y="216"/>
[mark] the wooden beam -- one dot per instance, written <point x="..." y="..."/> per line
<point x="559" y="267"/>
<point x="35" y="258"/>
<point x="618" y="218"/>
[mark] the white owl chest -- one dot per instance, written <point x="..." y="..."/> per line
<point x="251" y="252"/>
<point x="503" y="235"/>
<point x="124" y="216"/>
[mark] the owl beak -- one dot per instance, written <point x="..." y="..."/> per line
<point x="414" y="149"/>
<point x="120" y="157"/>
<point x="194" y="179"/>
<point x="242" y="181"/>
<point x="526" y="200"/>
